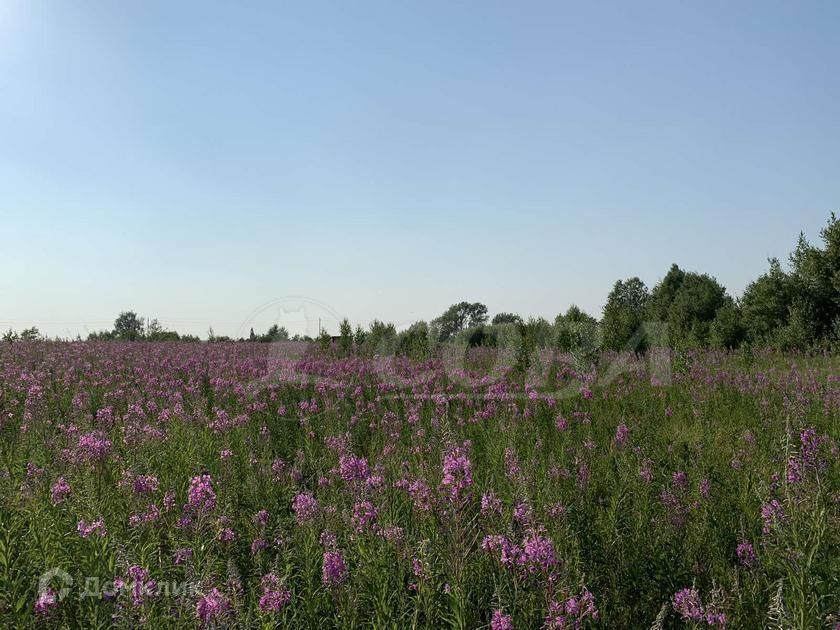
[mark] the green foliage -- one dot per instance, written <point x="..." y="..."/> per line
<point x="765" y="304"/>
<point x="360" y="335"/>
<point x="10" y="336"/>
<point x="727" y="330"/>
<point x="128" y="327"/>
<point x="506" y="318"/>
<point x="693" y="310"/>
<point x="381" y="338"/>
<point x="275" y="333"/>
<point x="30" y="334"/>
<point x="156" y="332"/>
<point x="460" y="316"/>
<point x="345" y="340"/>
<point x="576" y="330"/>
<point x="624" y="314"/>
<point x="415" y="342"/>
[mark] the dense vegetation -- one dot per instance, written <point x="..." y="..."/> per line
<point x="794" y="309"/>
<point x="227" y="485"/>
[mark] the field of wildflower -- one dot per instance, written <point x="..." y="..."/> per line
<point x="235" y="485"/>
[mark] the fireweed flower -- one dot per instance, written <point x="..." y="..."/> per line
<point x="582" y="607"/>
<point x="457" y="471"/>
<point x="261" y="517"/>
<point x="60" y="491"/>
<point x="810" y="451"/>
<point x="364" y="517"/>
<point x="512" y="468"/>
<point x="352" y="468"/>
<point x="274" y="595"/>
<point x="85" y="529"/>
<point x="393" y="534"/>
<point x="93" y="447"/>
<point x="305" y="507"/>
<point x="509" y="553"/>
<point x="328" y="540"/>
<point x="212" y="607"/>
<point x="688" y="604"/>
<point x="746" y="555"/>
<point x="523" y="512"/>
<point x="421" y="496"/>
<point x="226" y="535"/>
<point x="182" y="555"/>
<point x="772" y="514"/>
<point x="168" y="501"/>
<point x="334" y="571"/>
<point x="145" y="484"/>
<point x="140" y="585"/>
<point x="571" y="613"/>
<point x="258" y="545"/>
<point x="537" y="553"/>
<point x="501" y="621"/>
<point x="46" y="601"/>
<point x="794" y="472"/>
<point x="714" y="617"/>
<point x="490" y="504"/>
<point x="201" y="497"/>
<point x="621" y="434"/>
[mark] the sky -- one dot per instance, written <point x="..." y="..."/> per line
<point x="229" y="164"/>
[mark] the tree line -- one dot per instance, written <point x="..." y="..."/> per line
<point x="793" y="308"/>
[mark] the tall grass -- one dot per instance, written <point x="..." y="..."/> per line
<point x="182" y="485"/>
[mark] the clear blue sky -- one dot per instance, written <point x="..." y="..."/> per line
<point x="194" y="160"/>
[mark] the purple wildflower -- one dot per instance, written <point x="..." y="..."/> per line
<point x="334" y="570"/>
<point x="201" y="497"/>
<point x="305" y="507"/>
<point x="746" y="555"/>
<point x="60" y="491"/>
<point x="687" y="603"/>
<point x="46" y="601"/>
<point x="501" y="621"/>
<point x="212" y="607"/>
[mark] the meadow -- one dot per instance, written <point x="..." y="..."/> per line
<point x="238" y="485"/>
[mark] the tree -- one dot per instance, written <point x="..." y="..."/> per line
<point x="30" y="334"/>
<point x="664" y="293"/>
<point x="415" y="342"/>
<point x="128" y="327"/>
<point x="506" y="318"/>
<point x="345" y="340"/>
<point x="693" y="310"/>
<point x="624" y="314"/>
<point x="765" y="304"/>
<point x="10" y="335"/>
<point x="381" y="337"/>
<point x="156" y="332"/>
<point x="815" y="279"/>
<point x="727" y="330"/>
<point x="359" y="335"/>
<point x="324" y="339"/>
<point x="575" y="330"/>
<point x="460" y="316"/>
<point x="688" y="302"/>
<point x="274" y="333"/>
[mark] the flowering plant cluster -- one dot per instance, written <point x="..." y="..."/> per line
<point x="355" y="491"/>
